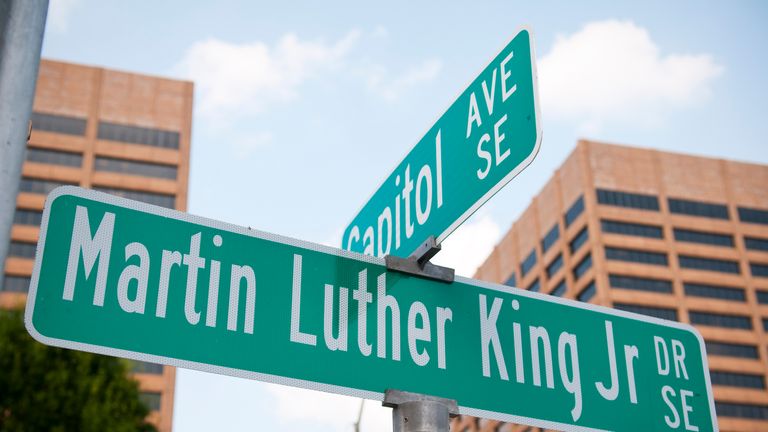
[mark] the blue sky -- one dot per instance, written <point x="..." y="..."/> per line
<point x="302" y="108"/>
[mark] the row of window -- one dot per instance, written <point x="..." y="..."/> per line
<point x="108" y="131"/>
<point x="39" y="186"/>
<point x="54" y="157"/>
<point x="694" y="289"/>
<point x="28" y="217"/>
<point x="146" y="367"/>
<point x="16" y="283"/>
<point x="45" y="187"/>
<point x="685" y="261"/>
<point x="22" y="249"/>
<point x="151" y="400"/>
<point x="730" y="409"/>
<point x="696" y="317"/>
<point x="681" y="234"/>
<point x="138" y="135"/>
<point x="734" y="379"/>
<point x="58" y="123"/>
<point x="679" y="206"/>
<point x="146" y="169"/>
<point x="158" y="199"/>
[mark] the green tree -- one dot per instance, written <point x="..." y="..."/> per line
<point x="52" y="389"/>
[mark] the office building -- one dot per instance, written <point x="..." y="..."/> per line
<point x="121" y="133"/>
<point x="668" y="235"/>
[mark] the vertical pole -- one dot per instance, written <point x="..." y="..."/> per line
<point x="412" y="412"/>
<point x="22" y="23"/>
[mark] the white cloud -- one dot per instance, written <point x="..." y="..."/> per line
<point x="381" y="32"/>
<point x="612" y="71"/>
<point x="59" y="12"/>
<point x="381" y="82"/>
<point x="325" y="410"/>
<point x="247" y="144"/>
<point x="469" y="246"/>
<point x="247" y="78"/>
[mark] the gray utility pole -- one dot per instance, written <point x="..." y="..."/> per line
<point x="22" y="23"/>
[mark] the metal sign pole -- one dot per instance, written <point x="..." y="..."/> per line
<point x="413" y="412"/>
<point x="22" y="23"/>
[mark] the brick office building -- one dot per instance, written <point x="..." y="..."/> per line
<point x="668" y="235"/>
<point x="121" y="133"/>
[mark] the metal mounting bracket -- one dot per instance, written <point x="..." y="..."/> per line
<point x="418" y="263"/>
<point x="413" y="412"/>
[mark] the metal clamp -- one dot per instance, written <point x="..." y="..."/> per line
<point x="413" y="412"/>
<point x="418" y="263"/>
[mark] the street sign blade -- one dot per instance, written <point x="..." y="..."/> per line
<point x="487" y="136"/>
<point x="123" y="278"/>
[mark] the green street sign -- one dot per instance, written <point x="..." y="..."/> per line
<point x="127" y="279"/>
<point x="482" y="141"/>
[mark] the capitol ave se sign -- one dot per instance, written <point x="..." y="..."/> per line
<point x="485" y="138"/>
<point x="123" y="278"/>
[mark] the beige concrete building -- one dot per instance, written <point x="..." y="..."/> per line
<point x="121" y="133"/>
<point x="669" y="235"/>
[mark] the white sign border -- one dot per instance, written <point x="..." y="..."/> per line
<point x="276" y="379"/>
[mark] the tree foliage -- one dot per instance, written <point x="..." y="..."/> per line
<point x="52" y="389"/>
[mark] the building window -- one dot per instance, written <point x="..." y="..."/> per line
<point x="637" y="256"/>
<point x="22" y="249"/>
<point x="734" y="379"/>
<point x="58" y="123"/>
<point x="582" y="267"/>
<point x="146" y="367"/>
<point x="555" y="265"/>
<point x="720" y="320"/>
<point x="576" y="209"/>
<point x="579" y="240"/>
<point x="534" y="286"/>
<point x="657" y="312"/>
<point x="16" y="283"/>
<point x="151" y="400"/>
<point x="755" y="243"/>
<point x="38" y="186"/>
<point x="714" y="291"/>
<point x="765" y="324"/>
<point x="145" y="169"/>
<point x="762" y="296"/>
<point x="633" y="229"/>
<point x="528" y="263"/>
<point x="511" y="281"/>
<point x="138" y="135"/>
<point x="28" y="217"/>
<point x="157" y="199"/>
<point x="550" y="238"/>
<point x="710" y="264"/>
<point x="559" y="289"/>
<point x="587" y="293"/>
<point x="640" y="283"/>
<point x="54" y="157"/>
<point x="760" y="270"/>
<point x="691" y="236"/>
<point x="731" y="349"/>
<point x="728" y="409"/>
<point x="698" y="208"/>
<point x="753" y="215"/>
<point x="626" y="199"/>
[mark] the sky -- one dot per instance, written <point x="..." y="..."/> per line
<point x="303" y="108"/>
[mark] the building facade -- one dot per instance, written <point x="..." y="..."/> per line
<point x="673" y="236"/>
<point x="121" y="133"/>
